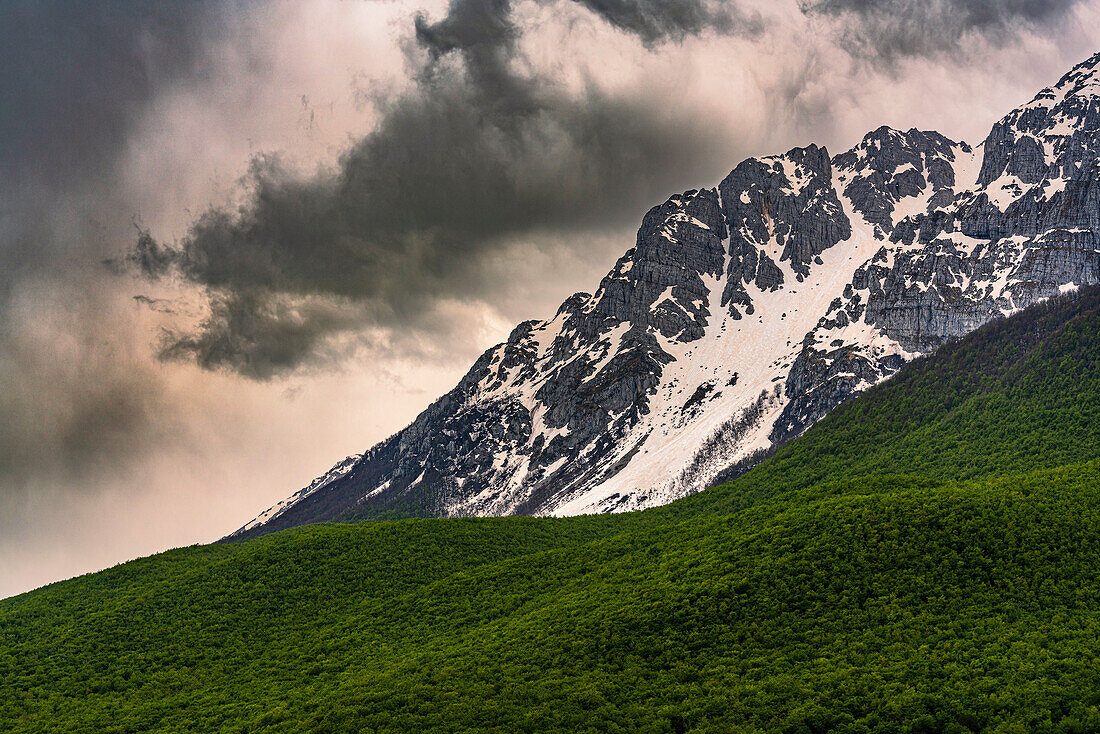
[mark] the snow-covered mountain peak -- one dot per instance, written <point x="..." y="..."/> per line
<point x="891" y="174"/>
<point x="744" y="313"/>
<point x="1081" y="82"/>
<point x="1046" y="141"/>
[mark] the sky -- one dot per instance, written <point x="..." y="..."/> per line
<point x="240" y="241"/>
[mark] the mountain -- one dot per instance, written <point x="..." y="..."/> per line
<point x="742" y="315"/>
<point x="923" y="559"/>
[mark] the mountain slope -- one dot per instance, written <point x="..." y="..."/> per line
<point x="1015" y="395"/>
<point x="807" y="595"/>
<point x="742" y="315"/>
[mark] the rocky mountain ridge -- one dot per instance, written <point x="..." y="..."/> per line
<point x="743" y="314"/>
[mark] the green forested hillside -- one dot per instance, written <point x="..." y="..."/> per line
<point x="924" y="559"/>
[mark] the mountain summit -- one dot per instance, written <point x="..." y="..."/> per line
<point x="742" y="315"/>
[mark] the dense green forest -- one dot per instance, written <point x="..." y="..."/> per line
<point x="924" y="559"/>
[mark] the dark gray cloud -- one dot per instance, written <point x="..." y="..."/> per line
<point x="660" y="20"/>
<point x="81" y="72"/>
<point x="477" y="155"/>
<point x="75" y="397"/>
<point x="77" y="77"/>
<point x="487" y="23"/>
<point x="260" y="334"/>
<point x="898" y="28"/>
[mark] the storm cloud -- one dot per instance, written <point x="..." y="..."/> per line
<point x="477" y="154"/>
<point x="898" y="28"/>
<point x="82" y="72"/>
<point x="76" y="78"/>
<point x="662" y="20"/>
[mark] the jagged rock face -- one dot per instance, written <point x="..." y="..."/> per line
<point x="659" y="283"/>
<point x="742" y="315"/>
<point x="781" y="209"/>
<point x="889" y="166"/>
<point x="1018" y="221"/>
